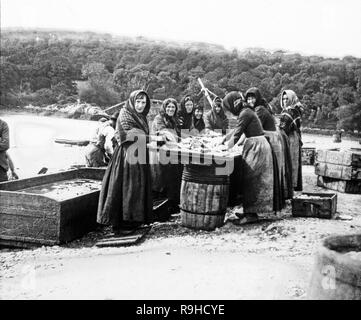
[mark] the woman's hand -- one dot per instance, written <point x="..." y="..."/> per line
<point x="168" y="136"/>
<point x="229" y="144"/>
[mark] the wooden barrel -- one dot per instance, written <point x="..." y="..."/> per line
<point x="337" y="272"/>
<point x="203" y="197"/>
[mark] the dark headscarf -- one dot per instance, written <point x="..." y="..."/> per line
<point x="185" y="117"/>
<point x="170" y="122"/>
<point x="260" y="101"/>
<point x="130" y="119"/>
<point x="230" y="99"/>
<point x="140" y="118"/>
<point x="198" y="123"/>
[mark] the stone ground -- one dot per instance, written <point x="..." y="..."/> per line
<point x="269" y="260"/>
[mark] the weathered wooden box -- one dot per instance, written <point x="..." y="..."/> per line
<point x="337" y="171"/>
<point x="351" y="157"/>
<point x="317" y="205"/>
<point x="339" y="164"/>
<point x="49" y="209"/>
<point x="347" y="186"/>
<point x="308" y="156"/>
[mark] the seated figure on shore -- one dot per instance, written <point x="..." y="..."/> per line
<point x="101" y="148"/>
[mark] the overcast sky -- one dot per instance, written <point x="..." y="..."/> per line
<point x="324" y="27"/>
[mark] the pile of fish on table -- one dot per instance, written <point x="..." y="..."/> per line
<point x="209" y="143"/>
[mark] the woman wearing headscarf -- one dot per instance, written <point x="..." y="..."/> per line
<point x="290" y="123"/>
<point x="185" y="113"/>
<point x="257" y="169"/>
<point x="198" y="126"/>
<point x="125" y="199"/>
<point x="215" y="119"/>
<point x="166" y="178"/>
<point x="258" y="103"/>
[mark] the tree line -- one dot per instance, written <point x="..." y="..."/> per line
<point x="43" y="67"/>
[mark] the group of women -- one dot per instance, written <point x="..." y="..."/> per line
<point x="269" y="172"/>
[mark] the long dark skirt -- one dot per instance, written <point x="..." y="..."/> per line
<point x="275" y="141"/>
<point x="126" y="194"/>
<point x="287" y="177"/>
<point x="257" y="176"/>
<point x="296" y="156"/>
<point x="235" y="183"/>
<point x="166" y="181"/>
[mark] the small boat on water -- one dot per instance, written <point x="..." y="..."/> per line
<point x="73" y="142"/>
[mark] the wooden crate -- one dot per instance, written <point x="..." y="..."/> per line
<point x="317" y="205"/>
<point x="346" y="186"/>
<point x="30" y="218"/>
<point x="336" y="171"/>
<point x="308" y="156"/>
<point x="351" y="157"/>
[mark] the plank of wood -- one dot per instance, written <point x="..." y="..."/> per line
<point x="337" y="171"/>
<point x="17" y="241"/>
<point x="37" y="180"/>
<point x="123" y="241"/>
<point x="72" y="142"/>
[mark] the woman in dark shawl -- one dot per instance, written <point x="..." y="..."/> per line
<point x="166" y="178"/>
<point x="216" y="119"/>
<point x="258" y="103"/>
<point x="198" y="126"/>
<point x="290" y="123"/>
<point x="125" y="199"/>
<point x="185" y="113"/>
<point x="257" y="168"/>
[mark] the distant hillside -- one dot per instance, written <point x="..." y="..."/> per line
<point x="41" y="66"/>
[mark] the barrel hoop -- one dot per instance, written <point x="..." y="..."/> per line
<point x="205" y="181"/>
<point x="203" y="175"/>
<point x="209" y="213"/>
<point x="201" y="178"/>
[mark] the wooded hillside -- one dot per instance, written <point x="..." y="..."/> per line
<point x="43" y="67"/>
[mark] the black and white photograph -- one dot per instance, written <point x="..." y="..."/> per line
<point x="196" y="151"/>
